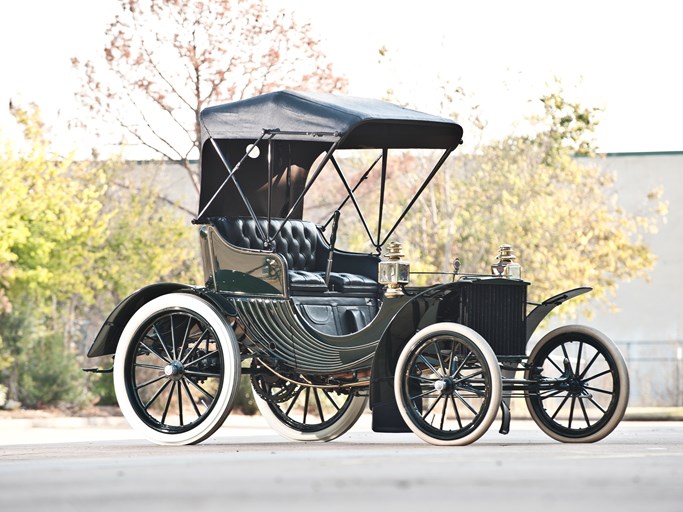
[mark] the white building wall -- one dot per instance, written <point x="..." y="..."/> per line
<point x="649" y="311"/>
<point x="648" y="325"/>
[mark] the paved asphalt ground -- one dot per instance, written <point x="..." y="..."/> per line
<point x="246" y="466"/>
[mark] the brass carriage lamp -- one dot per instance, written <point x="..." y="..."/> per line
<point x="506" y="266"/>
<point x="393" y="271"/>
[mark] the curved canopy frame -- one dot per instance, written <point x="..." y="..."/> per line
<point x="257" y="154"/>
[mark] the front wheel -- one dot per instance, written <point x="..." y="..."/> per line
<point x="583" y="384"/>
<point x="176" y="370"/>
<point x="448" y="385"/>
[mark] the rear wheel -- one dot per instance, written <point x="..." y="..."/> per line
<point x="448" y="384"/>
<point x="306" y="413"/>
<point x="176" y="370"/>
<point x="592" y="386"/>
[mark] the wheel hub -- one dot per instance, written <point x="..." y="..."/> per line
<point x="174" y="370"/>
<point x="443" y="386"/>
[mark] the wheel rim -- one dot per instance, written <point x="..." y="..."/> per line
<point x="175" y="368"/>
<point x="446" y="387"/>
<point x="587" y="391"/>
<point x="303" y="408"/>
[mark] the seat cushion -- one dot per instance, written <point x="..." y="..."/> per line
<point x="352" y="283"/>
<point x="303" y="282"/>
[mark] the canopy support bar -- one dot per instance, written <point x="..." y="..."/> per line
<point x="419" y="192"/>
<point x="355" y="203"/>
<point x="231" y="172"/>
<point x="355" y="187"/>
<point x="383" y="179"/>
<point x="317" y="172"/>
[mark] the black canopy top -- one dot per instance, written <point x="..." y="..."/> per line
<point x="290" y="130"/>
<point x="359" y="122"/>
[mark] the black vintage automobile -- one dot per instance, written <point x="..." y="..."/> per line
<point x="321" y="331"/>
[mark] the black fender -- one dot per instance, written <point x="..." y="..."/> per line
<point x="536" y="316"/>
<point x="107" y="338"/>
<point x="419" y="312"/>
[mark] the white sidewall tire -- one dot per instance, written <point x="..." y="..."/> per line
<point x="231" y="369"/>
<point x="621" y="369"/>
<point x="491" y="361"/>
<point x="338" y="428"/>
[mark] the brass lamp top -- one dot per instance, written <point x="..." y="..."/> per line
<point x="394" y="251"/>
<point x="505" y="254"/>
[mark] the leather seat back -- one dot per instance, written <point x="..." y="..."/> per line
<point x="298" y="241"/>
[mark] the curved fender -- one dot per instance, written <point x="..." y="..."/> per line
<point x="419" y="312"/>
<point x="541" y="310"/>
<point x="108" y="338"/>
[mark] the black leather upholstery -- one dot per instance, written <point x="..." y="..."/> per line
<point x="352" y="283"/>
<point x="297" y="240"/>
<point x="306" y="253"/>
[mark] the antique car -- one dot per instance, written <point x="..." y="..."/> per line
<point x="321" y="332"/>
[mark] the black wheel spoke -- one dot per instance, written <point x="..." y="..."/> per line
<point x="465" y="403"/>
<point x="201" y="389"/>
<point x="551" y="394"/>
<point x="142" y="344"/>
<point x="294" y="399"/>
<point x="556" y="366"/>
<point x="331" y="399"/>
<point x="465" y="378"/>
<point x="173" y="338"/>
<point x="597" y="375"/>
<point x="163" y="345"/>
<point x="180" y="404"/>
<point x="440" y="359"/>
<point x="424" y="416"/>
<point x="195" y="347"/>
<point x="150" y="381"/>
<point x="571" y="411"/>
<point x="426" y="393"/>
<point x="585" y="414"/>
<point x="566" y="357"/>
<point x="598" y="390"/>
<point x="202" y="374"/>
<point x="306" y="397"/>
<point x="423" y="379"/>
<point x="578" y="359"/>
<point x="560" y="407"/>
<point x="189" y="394"/>
<point x="187" y="332"/>
<point x="462" y="365"/>
<point x="168" y="403"/>
<point x="156" y="395"/>
<point x="318" y="405"/>
<point x="603" y="411"/>
<point x="588" y="366"/>
<point x="457" y="413"/>
<point x="209" y="354"/>
<point x="430" y="365"/>
<point x="150" y="366"/>
<point x="443" y="413"/>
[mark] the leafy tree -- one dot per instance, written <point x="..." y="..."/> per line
<point x="167" y="59"/>
<point x="72" y="246"/>
<point x="561" y="215"/>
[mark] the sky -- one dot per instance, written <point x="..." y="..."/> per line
<point x="623" y="57"/>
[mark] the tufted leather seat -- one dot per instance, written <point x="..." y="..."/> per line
<point x="304" y="249"/>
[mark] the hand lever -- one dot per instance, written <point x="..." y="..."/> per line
<point x="333" y="240"/>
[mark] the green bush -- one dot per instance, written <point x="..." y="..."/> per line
<point x="102" y="387"/>
<point x="49" y="375"/>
